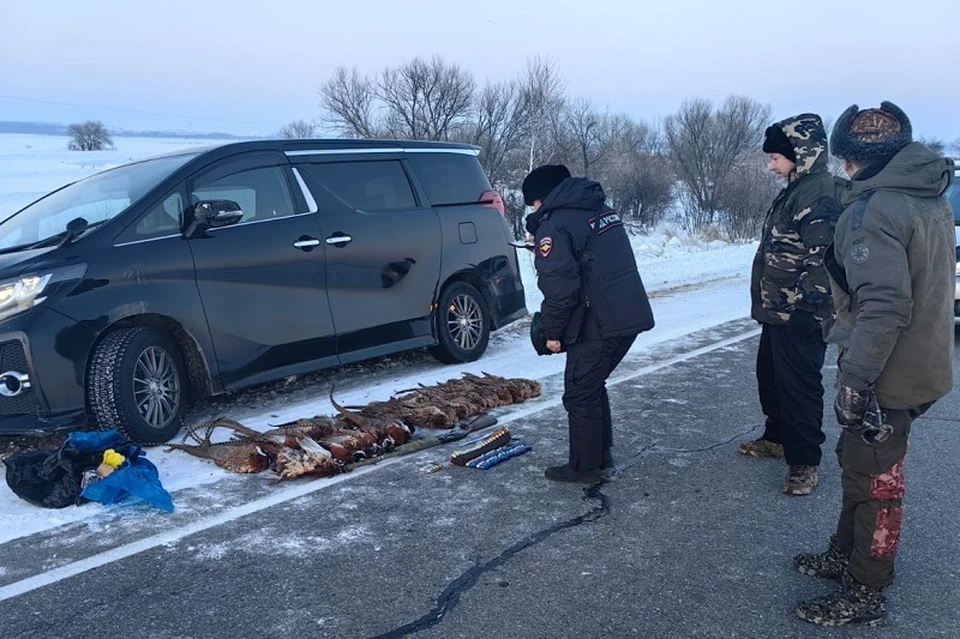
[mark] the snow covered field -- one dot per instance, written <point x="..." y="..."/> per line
<point x="694" y="285"/>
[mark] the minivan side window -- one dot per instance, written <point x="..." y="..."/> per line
<point x="373" y="187"/>
<point x="163" y="219"/>
<point x="261" y="192"/>
<point x="450" y="178"/>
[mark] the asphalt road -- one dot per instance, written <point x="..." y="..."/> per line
<point x="686" y="538"/>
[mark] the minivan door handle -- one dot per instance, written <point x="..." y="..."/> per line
<point x="339" y="239"/>
<point x="306" y="243"/>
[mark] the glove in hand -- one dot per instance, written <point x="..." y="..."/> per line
<point x="851" y="405"/>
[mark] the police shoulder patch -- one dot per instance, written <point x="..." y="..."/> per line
<point x="546" y="245"/>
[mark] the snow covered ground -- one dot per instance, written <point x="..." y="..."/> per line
<point x="694" y="285"/>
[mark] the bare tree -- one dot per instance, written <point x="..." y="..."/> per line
<point x="636" y="176"/>
<point x="89" y="136"/>
<point x="936" y="145"/>
<point x="955" y="146"/>
<point x="350" y="104"/>
<point x="419" y="100"/>
<point x="582" y="124"/>
<point x="746" y="196"/>
<point x="522" y="120"/>
<point x="298" y="129"/>
<point x="834" y="164"/>
<point x="498" y="125"/>
<point x="426" y="100"/>
<point x="541" y="93"/>
<point x="706" y="145"/>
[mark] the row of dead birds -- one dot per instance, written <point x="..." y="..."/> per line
<point x="324" y="446"/>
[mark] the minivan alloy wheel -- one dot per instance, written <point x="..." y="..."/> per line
<point x="465" y="321"/>
<point x="156" y="387"/>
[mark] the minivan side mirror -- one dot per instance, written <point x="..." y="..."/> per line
<point x="211" y="214"/>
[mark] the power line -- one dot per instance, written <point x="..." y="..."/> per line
<point x="131" y="111"/>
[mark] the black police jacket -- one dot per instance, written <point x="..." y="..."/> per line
<point x="608" y="285"/>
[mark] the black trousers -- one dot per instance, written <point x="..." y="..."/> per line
<point x="791" y="392"/>
<point x="589" y="364"/>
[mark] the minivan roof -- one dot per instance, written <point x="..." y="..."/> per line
<point x="333" y="144"/>
<point x="326" y="146"/>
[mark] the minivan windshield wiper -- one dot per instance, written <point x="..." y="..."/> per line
<point x="77" y="227"/>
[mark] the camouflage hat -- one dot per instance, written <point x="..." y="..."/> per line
<point x="871" y="135"/>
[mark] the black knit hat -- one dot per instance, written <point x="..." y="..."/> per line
<point x="871" y="135"/>
<point x="543" y="179"/>
<point x="776" y="141"/>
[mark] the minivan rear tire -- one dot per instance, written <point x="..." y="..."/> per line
<point x="463" y="324"/>
<point x="137" y="383"/>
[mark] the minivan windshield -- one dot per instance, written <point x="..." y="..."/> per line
<point x="97" y="199"/>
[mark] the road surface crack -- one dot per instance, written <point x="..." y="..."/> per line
<point x="451" y="595"/>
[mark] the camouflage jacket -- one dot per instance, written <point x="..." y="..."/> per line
<point x="892" y="273"/>
<point x="788" y="271"/>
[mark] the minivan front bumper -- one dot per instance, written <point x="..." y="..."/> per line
<point x="43" y="355"/>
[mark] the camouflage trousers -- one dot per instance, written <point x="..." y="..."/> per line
<point x="873" y="487"/>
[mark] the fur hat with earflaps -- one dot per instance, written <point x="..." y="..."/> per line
<point x="871" y="135"/>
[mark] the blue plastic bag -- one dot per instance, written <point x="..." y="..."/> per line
<point x="82" y="441"/>
<point x="137" y="478"/>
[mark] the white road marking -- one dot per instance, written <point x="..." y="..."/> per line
<point x="293" y="492"/>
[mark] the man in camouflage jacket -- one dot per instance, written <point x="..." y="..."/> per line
<point x="790" y="293"/>
<point x="892" y="270"/>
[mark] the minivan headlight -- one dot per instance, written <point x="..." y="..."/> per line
<point x="26" y="291"/>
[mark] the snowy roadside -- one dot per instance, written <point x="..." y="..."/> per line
<point x="724" y="298"/>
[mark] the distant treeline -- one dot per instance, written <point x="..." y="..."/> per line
<point x="49" y="128"/>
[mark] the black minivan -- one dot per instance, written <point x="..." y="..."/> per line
<point x="130" y="293"/>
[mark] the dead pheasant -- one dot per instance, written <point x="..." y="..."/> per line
<point x="309" y="459"/>
<point x="323" y="445"/>
<point x="246" y="453"/>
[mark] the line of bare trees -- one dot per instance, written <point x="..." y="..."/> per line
<point x="702" y="165"/>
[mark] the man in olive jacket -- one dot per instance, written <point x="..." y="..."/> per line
<point x="892" y="271"/>
<point x="790" y="291"/>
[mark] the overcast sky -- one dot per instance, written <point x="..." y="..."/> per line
<point x="250" y="67"/>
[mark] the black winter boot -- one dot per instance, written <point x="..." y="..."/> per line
<point x="853" y="602"/>
<point x="828" y="565"/>
<point x="565" y="473"/>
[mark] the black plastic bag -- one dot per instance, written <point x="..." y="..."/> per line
<point x="50" y="478"/>
<point x="54" y="478"/>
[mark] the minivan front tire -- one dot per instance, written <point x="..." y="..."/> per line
<point x="463" y="324"/>
<point x="137" y="383"/>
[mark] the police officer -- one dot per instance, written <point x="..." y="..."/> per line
<point x="594" y="305"/>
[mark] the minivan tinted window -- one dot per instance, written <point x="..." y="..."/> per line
<point x="366" y="186"/>
<point x="953" y="194"/>
<point x="450" y="178"/>
<point x="261" y="192"/>
<point x="96" y="199"/>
